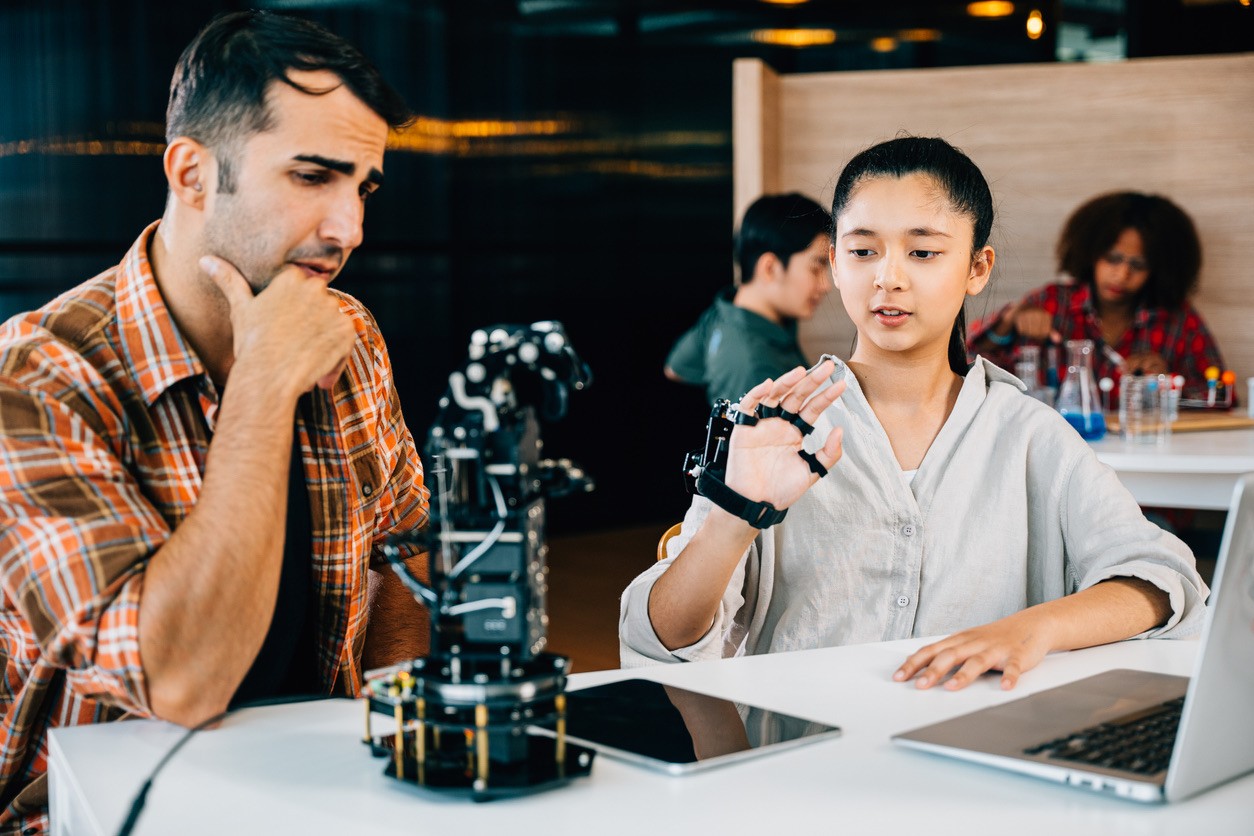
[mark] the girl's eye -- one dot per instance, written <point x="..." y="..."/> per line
<point x="861" y="253"/>
<point x="924" y="255"/>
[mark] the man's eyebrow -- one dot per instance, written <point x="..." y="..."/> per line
<point x="341" y="166"/>
<point x="373" y="176"/>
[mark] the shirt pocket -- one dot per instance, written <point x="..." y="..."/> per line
<point x="368" y="481"/>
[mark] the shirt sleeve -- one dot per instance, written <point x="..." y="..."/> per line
<point x="403" y="506"/>
<point x="687" y="356"/>
<point x="1195" y="350"/>
<point x="1106" y="536"/>
<point x="638" y="642"/>
<point x="76" y="538"/>
<point x="1003" y="356"/>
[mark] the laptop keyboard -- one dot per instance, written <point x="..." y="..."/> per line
<point x="1142" y="745"/>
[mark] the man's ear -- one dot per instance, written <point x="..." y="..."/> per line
<point x="981" y="270"/>
<point x="768" y="269"/>
<point x="188" y="165"/>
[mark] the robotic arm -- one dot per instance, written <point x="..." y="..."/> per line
<point x="487" y="678"/>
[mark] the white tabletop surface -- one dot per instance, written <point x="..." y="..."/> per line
<point x="1191" y="470"/>
<point x="301" y="769"/>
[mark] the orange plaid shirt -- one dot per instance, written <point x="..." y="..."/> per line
<point x="106" y="417"/>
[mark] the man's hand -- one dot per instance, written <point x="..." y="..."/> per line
<point x="293" y="330"/>
<point x="1012" y="645"/>
<point x="762" y="462"/>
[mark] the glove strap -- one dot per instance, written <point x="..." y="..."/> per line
<point x="757" y="514"/>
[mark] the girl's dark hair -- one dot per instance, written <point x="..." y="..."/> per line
<point x="953" y="171"/>
<point x="1172" y="249"/>
<point x="218" y="92"/>
<point x="782" y="224"/>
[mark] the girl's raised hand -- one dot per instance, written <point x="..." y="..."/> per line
<point x="763" y="461"/>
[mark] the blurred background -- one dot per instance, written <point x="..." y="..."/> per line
<point x="571" y="161"/>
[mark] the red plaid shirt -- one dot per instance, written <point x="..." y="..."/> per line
<point x="1178" y="335"/>
<point x="106" y="417"/>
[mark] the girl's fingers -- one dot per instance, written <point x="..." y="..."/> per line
<point x="815" y="407"/>
<point x="830" y="453"/>
<point x="805" y="386"/>
<point x="784" y="384"/>
<point x="754" y="396"/>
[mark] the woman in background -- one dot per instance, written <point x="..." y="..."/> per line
<point x="1135" y="259"/>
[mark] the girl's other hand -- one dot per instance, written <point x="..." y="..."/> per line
<point x="1012" y="645"/>
<point x="762" y="463"/>
<point x="1145" y="362"/>
<point x="1031" y="323"/>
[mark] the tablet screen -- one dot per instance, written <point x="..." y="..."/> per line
<point x="676" y="730"/>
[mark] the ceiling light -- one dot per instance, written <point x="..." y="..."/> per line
<point x="883" y="44"/>
<point x="785" y="2"/>
<point x="991" y="8"/>
<point x="795" y="37"/>
<point x="917" y="36"/>
<point x="1036" y="24"/>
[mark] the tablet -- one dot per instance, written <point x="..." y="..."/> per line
<point x="677" y="731"/>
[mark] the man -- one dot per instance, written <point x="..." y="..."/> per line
<point x="183" y="432"/>
<point x="750" y="332"/>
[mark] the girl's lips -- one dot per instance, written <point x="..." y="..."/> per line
<point x="891" y="321"/>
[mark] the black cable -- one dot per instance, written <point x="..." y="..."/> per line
<point x="141" y="797"/>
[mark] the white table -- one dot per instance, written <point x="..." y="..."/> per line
<point x="301" y="769"/>
<point x="1192" y="470"/>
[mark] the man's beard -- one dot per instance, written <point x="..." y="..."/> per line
<point x="234" y="234"/>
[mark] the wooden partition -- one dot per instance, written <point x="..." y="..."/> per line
<point x="1048" y="137"/>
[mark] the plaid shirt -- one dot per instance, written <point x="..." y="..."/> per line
<point x="1178" y="335"/>
<point x="106" y="421"/>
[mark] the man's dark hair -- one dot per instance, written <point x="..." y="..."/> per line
<point x="1172" y="249"/>
<point x="781" y="224"/>
<point x="218" y="92"/>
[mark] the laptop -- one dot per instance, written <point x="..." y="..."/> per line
<point x="1135" y="734"/>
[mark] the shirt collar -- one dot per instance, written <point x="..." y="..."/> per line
<point x="154" y="348"/>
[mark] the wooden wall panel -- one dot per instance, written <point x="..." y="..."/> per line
<point x="1048" y="137"/>
<point x="755" y="126"/>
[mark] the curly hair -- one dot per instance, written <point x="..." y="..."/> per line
<point x="1172" y="249"/>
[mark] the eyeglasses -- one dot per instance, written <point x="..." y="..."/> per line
<point x="1136" y="265"/>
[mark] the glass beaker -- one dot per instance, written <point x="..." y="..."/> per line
<point x="1077" y="398"/>
<point x="1028" y="366"/>
<point x="1144" y="409"/>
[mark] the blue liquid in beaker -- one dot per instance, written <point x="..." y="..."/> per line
<point x="1091" y="427"/>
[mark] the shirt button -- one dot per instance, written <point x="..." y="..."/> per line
<point x="903" y="601"/>
<point x="908" y="530"/>
<point x="367" y="490"/>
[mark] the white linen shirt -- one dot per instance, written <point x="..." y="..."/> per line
<point x="1009" y="508"/>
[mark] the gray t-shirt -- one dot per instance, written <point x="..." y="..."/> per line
<point x="730" y="350"/>
<point x="1009" y="508"/>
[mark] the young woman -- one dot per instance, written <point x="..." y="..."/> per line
<point x="1135" y="259"/>
<point x="952" y="503"/>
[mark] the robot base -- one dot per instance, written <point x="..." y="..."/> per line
<point x="476" y="735"/>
